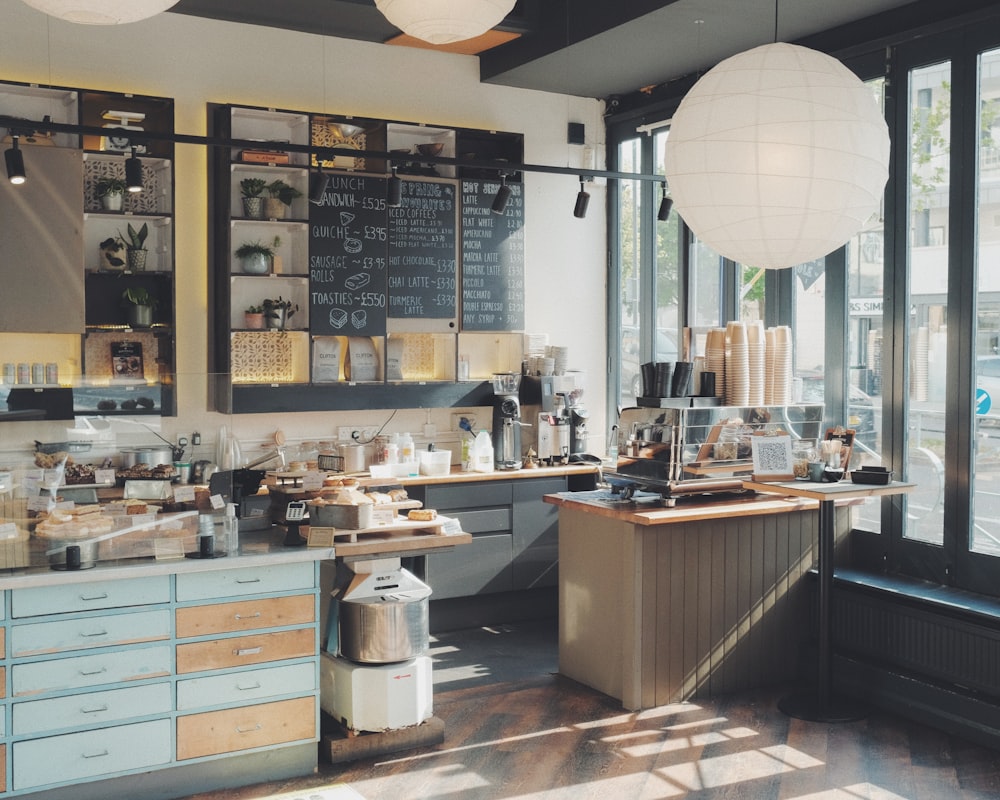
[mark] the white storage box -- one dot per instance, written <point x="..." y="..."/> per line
<point x="368" y="697"/>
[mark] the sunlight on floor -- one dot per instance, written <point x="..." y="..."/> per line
<point x="866" y="791"/>
<point x="338" y="792"/>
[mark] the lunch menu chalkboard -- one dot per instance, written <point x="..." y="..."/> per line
<point x="492" y="258"/>
<point x="369" y="263"/>
<point x="423" y="251"/>
<point x="348" y="257"/>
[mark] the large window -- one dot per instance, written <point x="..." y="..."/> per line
<point x="898" y="333"/>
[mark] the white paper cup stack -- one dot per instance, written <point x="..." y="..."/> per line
<point x="782" y="367"/>
<point x="737" y="365"/>
<point x="756" y="355"/>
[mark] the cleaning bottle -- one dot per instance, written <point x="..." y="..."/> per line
<point x="483" y="453"/>
<point x="231" y="530"/>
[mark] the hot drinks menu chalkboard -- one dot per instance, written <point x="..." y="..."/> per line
<point x="422" y="251"/>
<point x="492" y="258"/>
<point x="348" y="258"/>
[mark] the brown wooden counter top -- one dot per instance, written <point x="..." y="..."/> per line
<point x="456" y="475"/>
<point x="688" y="511"/>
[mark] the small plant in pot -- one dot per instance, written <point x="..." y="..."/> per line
<point x="135" y="247"/>
<point x="252" y="190"/>
<point x="112" y="255"/>
<point x="111" y="192"/>
<point x="254" y="257"/>
<point x="139" y="306"/>
<point x="280" y="197"/>
<point x="253" y="318"/>
<point x="278" y="312"/>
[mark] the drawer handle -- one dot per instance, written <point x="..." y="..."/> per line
<point x="96" y="755"/>
<point x="248" y="730"/>
<point x="255" y="615"/>
<point x="247" y="688"/>
<point x="89" y="598"/>
<point x="93" y="671"/>
<point x="94" y="634"/>
<point x="248" y="651"/>
<point x="248" y="580"/>
<point x="94" y="710"/>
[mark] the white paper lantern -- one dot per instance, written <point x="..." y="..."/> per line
<point x="101" y="12"/>
<point x="444" y="21"/>
<point x="777" y="156"/>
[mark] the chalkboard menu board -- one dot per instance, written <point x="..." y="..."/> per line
<point x="492" y="258"/>
<point x="348" y="258"/>
<point x="423" y="251"/>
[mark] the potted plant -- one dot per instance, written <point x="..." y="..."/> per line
<point x="254" y="257"/>
<point x="111" y="192"/>
<point x="112" y="255"/>
<point x="253" y="202"/>
<point x="253" y="318"/>
<point x="135" y="250"/>
<point x="278" y="312"/>
<point x="139" y="305"/>
<point x="280" y="197"/>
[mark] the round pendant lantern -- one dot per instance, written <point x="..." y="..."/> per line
<point x="445" y="21"/>
<point x="777" y="156"/>
<point x="101" y="12"/>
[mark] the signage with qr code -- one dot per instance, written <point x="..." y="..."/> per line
<point x="772" y="458"/>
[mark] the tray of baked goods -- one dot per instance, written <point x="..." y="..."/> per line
<point x="417" y="521"/>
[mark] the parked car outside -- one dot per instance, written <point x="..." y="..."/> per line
<point x="860" y="407"/>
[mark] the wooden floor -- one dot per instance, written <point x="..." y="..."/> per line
<point x="531" y="734"/>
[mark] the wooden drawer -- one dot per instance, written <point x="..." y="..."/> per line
<point x="63" y="599"/>
<point x="245" y="615"/>
<point x="243" y="728"/>
<point x="72" y="756"/>
<point x="37" y="677"/>
<point x="243" y="687"/>
<point x="92" y="709"/>
<point x="240" y="650"/>
<point x="80" y="634"/>
<point x="245" y="581"/>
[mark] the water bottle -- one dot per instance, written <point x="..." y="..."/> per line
<point x="483" y="453"/>
<point x="231" y="529"/>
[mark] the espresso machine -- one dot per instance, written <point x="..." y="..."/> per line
<point x="507" y="421"/>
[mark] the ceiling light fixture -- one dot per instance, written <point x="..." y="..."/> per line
<point x="777" y="156"/>
<point x="318" y="183"/>
<point x="445" y="21"/>
<point x="15" y="163"/>
<point x="502" y="196"/>
<point x="133" y="172"/>
<point x="395" y="190"/>
<point x="101" y="12"/>
<point x="582" y="201"/>
<point x="666" y="203"/>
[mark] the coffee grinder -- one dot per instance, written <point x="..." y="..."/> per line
<point x="507" y="421"/>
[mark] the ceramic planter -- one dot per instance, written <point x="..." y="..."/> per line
<point x="274" y="208"/>
<point x="112" y="201"/>
<point x="137" y="260"/>
<point x="254" y="322"/>
<point x="253" y="207"/>
<point x="255" y="264"/>
<point x="140" y="316"/>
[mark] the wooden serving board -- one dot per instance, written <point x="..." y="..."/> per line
<point x="400" y="536"/>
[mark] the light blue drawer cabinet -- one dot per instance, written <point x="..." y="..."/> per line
<point x="74" y="756"/>
<point x="245" y="581"/>
<point x="79" y="672"/>
<point x="91" y="709"/>
<point x="37" y="638"/>
<point x="70" y="598"/>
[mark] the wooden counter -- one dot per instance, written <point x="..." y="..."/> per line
<point x="660" y="605"/>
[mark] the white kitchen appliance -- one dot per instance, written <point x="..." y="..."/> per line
<point x="366" y="697"/>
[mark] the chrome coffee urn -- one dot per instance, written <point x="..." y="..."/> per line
<point x="507" y="421"/>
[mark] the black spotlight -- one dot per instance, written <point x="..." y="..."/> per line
<point x="15" y="163"/>
<point x="582" y="201"/>
<point x="503" y="195"/>
<point x="666" y="203"/>
<point x="317" y="188"/>
<point x="395" y="193"/>
<point x="133" y="172"/>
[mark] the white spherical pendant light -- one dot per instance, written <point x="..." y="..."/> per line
<point x="101" y="12"/>
<point x="445" y="21"/>
<point x="777" y="156"/>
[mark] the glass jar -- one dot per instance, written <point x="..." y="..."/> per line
<point x="803" y="453"/>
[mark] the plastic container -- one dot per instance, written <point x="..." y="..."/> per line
<point x="435" y="462"/>
<point x="231" y="529"/>
<point x="482" y="453"/>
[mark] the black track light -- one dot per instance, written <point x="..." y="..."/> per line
<point x="666" y="203"/>
<point x="15" y="163"/>
<point x="133" y="172"/>
<point x="395" y="192"/>
<point x="582" y="201"/>
<point x="317" y="188"/>
<point x="503" y="195"/>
